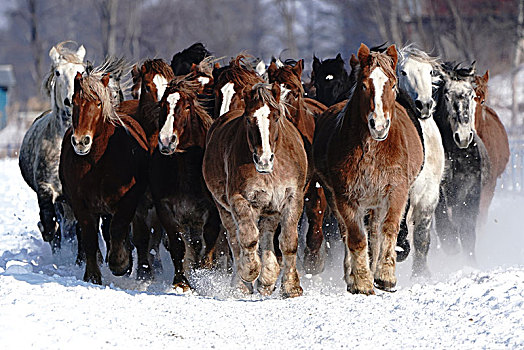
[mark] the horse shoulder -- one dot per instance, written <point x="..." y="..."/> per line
<point x="129" y="107"/>
<point x="410" y="139"/>
<point x="135" y="130"/>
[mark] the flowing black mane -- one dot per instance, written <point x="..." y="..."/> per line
<point x="182" y="61"/>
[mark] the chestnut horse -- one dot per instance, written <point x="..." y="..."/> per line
<point x="230" y="83"/>
<point x="492" y="132"/>
<point x="288" y="77"/>
<point x="367" y="155"/>
<point x="103" y="170"/>
<point x="184" y="205"/>
<point x="255" y="167"/>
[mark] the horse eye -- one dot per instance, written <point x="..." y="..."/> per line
<point x="403" y="72"/>
<point x="364" y="87"/>
<point x="394" y="86"/>
<point x="57" y="73"/>
<point x="99" y="104"/>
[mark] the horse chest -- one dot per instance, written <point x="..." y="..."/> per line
<point x="268" y="196"/>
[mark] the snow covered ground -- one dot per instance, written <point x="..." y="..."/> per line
<point x="44" y="304"/>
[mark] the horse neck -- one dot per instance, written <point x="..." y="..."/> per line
<point x="61" y="121"/>
<point x="352" y="128"/>
<point x="147" y="115"/>
<point x="441" y="119"/>
<point x="195" y="135"/>
<point x="480" y="115"/>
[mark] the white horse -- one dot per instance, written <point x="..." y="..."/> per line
<point x="415" y="74"/>
<point x="40" y="151"/>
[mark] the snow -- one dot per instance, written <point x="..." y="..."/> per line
<point x="45" y="304"/>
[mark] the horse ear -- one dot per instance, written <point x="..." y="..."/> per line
<point x="486" y="76"/>
<point x="143" y="69"/>
<point x="392" y="52"/>
<point x="272" y="69"/>
<point x="353" y="61"/>
<point x="339" y="58"/>
<point x="194" y="68"/>
<point x="363" y="53"/>
<point x="217" y="65"/>
<point x="53" y="53"/>
<point x="134" y="72"/>
<point x="81" y="52"/>
<point x="298" y="68"/>
<point x="316" y="63"/>
<point x="105" y="79"/>
<point x="78" y="76"/>
<point x="275" y="91"/>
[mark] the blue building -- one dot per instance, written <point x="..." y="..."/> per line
<point x="7" y="81"/>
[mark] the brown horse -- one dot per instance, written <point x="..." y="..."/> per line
<point x="231" y="82"/>
<point x="153" y="77"/>
<point x="367" y="155"/>
<point x="289" y="79"/>
<point x="492" y="132"/>
<point x="103" y="169"/>
<point x="255" y="167"/>
<point x="184" y="205"/>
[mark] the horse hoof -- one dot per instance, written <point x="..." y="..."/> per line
<point x="181" y="284"/>
<point x="386" y="286"/>
<point x="122" y="266"/>
<point x="293" y="292"/>
<point x="266" y="290"/>
<point x="403" y="248"/>
<point x="144" y="273"/>
<point x="95" y="278"/>
<point x="249" y="268"/>
<point x="314" y="262"/>
<point x="354" y="290"/>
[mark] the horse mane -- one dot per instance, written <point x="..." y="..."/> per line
<point x="285" y="73"/>
<point x="458" y="71"/>
<point x="160" y="66"/>
<point x="66" y="54"/>
<point x="413" y="52"/>
<point x="91" y="89"/>
<point x="207" y="64"/>
<point x="193" y="54"/>
<point x="264" y="95"/>
<point x="187" y="85"/>
<point x="238" y="73"/>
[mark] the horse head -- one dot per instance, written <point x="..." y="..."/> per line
<point x="457" y="98"/>
<point x="288" y="77"/>
<point x="183" y="121"/>
<point x="183" y="60"/>
<point x="376" y="89"/>
<point x="203" y="73"/>
<point x="416" y="75"/>
<point x="155" y="74"/>
<point x="331" y="80"/>
<point x="261" y="116"/>
<point x="481" y="88"/>
<point x="59" y="84"/>
<point x="93" y="105"/>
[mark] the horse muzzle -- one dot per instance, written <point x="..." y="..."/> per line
<point x="379" y="132"/>
<point x="264" y="165"/>
<point x="167" y="145"/>
<point x="81" y="145"/>
<point x="463" y="139"/>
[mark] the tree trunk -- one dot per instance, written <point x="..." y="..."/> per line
<point x="287" y="10"/>
<point x="108" y="15"/>
<point x="519" y="48"/>
<point x="34" y="39"/>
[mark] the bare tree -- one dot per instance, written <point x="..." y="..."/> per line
<point x="287" y="9"/>
<point x="519" y="49"/>
<point x="108" y="20"/>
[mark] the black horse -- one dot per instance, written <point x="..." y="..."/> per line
<point x="183" y="60"/>
<point x="467" y="162"/>
<point x="331" y="80"/>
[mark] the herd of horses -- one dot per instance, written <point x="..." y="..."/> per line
<point x="220" y="163"/>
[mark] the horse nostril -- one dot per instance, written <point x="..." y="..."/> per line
<point x="419" y="104"/>
<point x="429" y="104"/>
<point x="372" y="123"/>
<point x="272" y="157"/>
<point x="86" y="140"/>
<point x="173" y="138"/>
<point x="67" y="102"/>
<point x="255" y="158"/>
<point x="457" y="138"/>
<point x="73" y="140"/>
<point x="470" y="136"/>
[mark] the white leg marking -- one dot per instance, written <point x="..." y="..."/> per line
<point x="228" y="91"/>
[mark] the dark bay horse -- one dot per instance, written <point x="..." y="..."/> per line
<point x="331" y="80"/>
<point x="184" y="205"/>
<point x="367" y="155"/>
<point x="103" y="170"/>
<point x="467" y="161"/>
<point x="288" y="77"/>
<point x="255" y="167"/>
<point x="231" y="82"/>
<point x="492" y="132"/>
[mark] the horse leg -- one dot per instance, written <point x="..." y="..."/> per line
<point x="402" y="238"/>
<point x="89" y="233"/>
<point x="270" y="266"/>
<point x="211" y="231"/>
<point x="289" y="244"/>
<point x="314" y="252"/>
<point x="467" y="215"/>
<point x="248" y="266"/>
<point x="384" y="276"/>
<point x="231" y="233"/>
<point x="154" y="242"/>
<point x="446" y="229"/>
<point x="374" y="237"/>
<point x="48" y="220"/>
<point x="106" y="235"/>
<point x="141" y="237"/>
<point x="176" y="246"/>
<point x="422" y="217"/>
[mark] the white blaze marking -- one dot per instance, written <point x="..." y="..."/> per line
<point x="329" y="77"/>
<point x="161" y="84"/>
<point x="279" y="63"/>
<point x="283" y="91"/>
<point x="228" y="91"/>
<point x="379" y="79"/>
<point x="167" y="130"/>
<point x="262" y="116"/>
<point x="203" y="80"/>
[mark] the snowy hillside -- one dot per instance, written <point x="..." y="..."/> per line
<point x="45" y="305"/>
